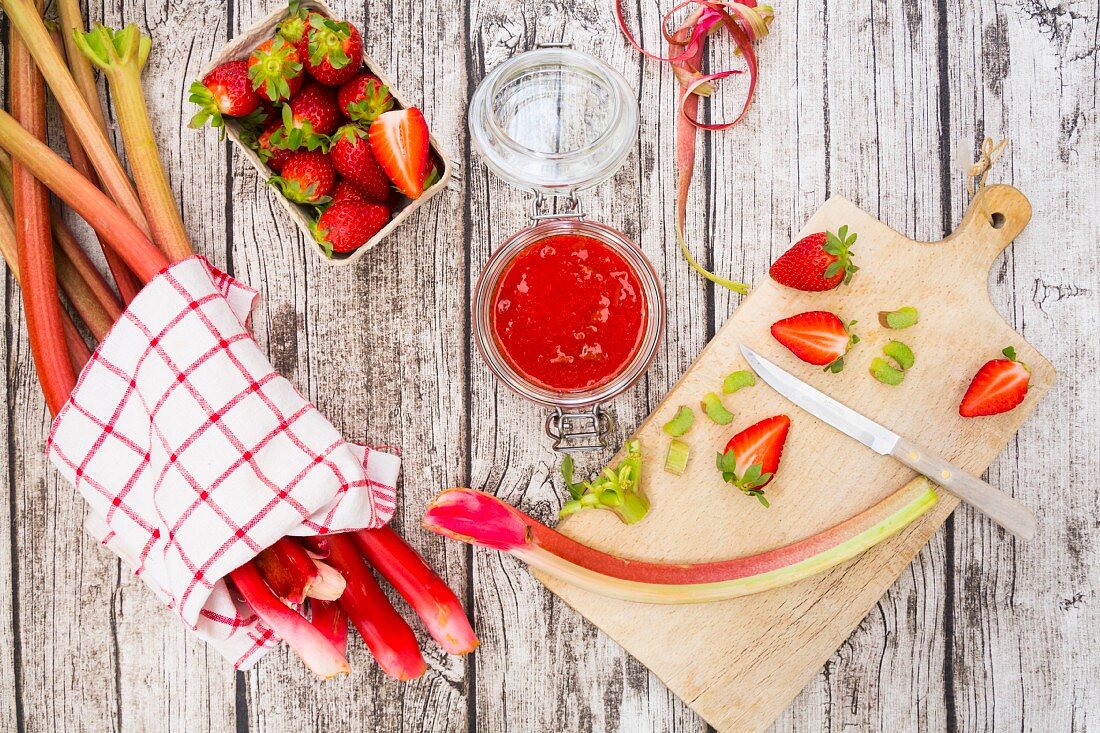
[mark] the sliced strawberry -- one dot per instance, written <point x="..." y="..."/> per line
<point x="751" y="457"/>
<point x="347" y="226"/>
<point x="352" y="156"/>
<point x="307" y="178"/>
<point x="364" y="98"/>
<point x="275" y="70"/>
<point x="816" y="337"/>
<point x="817" y="262"/>
<point x="224" y="92"/>
<point x="999" y="386"/>
<point x="400" y="142"/>
<point x="332" y="50"/>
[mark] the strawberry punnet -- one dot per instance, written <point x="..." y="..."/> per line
<point x="275" y="70"/>
<point x="820" y="261"/>
<point x="307" y="178"/>
<point x="352" y="157"/>
<point x="332" y="50"/>
<point x="364" y="98"/>
<point x="816" y="337"/>
<point x="751" y="457"/>
<point x="999" y="386"/>
<point x="347" y="226"/>
<point x="224" y="92"/>
<point x="399" y="139"/>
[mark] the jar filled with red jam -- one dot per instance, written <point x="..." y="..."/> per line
<point x="567" y="312"/>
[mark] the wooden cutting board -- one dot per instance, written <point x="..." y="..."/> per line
<point x="739" y="663"/>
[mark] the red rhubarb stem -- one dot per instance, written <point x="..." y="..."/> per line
<point x="435" y="603"/>
<point x="27" y="22"/>
<point x="288" y="569"/>
<point x="315" y="650"/>
<point x="330" y="620"/>
<point x="81" y="297"/>
<point x="31" y="208"/>
<point x="83" y="197"/>
<point x="389" y="638"/>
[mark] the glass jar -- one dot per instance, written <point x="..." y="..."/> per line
<point x="556" y="121"/>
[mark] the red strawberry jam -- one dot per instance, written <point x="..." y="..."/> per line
<point x="569" y="313"/>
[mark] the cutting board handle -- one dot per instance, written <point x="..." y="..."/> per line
<point x="995" y="217"/>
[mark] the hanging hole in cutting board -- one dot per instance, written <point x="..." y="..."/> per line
<point x="997" y="220"/>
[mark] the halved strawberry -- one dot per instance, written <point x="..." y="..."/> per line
<point x="352" y="156"/>
<point x="347" y="226"/>
<point x="816" y="337"/>
<point x="275" y="70"/>
<point x="751" y="457"/>
<point x="364" y="98"/>
<point x="999" y="386"/>
<point x="820" y="261"/>
<point x="331" y="49"/>
<point x="307" y="178"/>
<point x="224" y="92"/>
<point x="399" y="139"/>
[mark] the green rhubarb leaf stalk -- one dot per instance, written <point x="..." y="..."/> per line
<point x="617" y="489"/>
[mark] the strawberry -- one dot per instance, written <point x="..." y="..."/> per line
<point x="315" y="104"/>
<point x="346" y="226"/>
<point x="816" y="337"/>
<point x="399" y="139"/>
<point x="999" y="386"/>
<point x="352" y="157"/>
<point x="751" y="458"/>
<point x="275" y="70"/>
<point x="307" y="178"/>
<point x="293" y="26"/>
<point x="364" y="98"/>
<point x="332" y="50"/>
<point x="821" y="261"/>
<point x="347" y="191"/>
<point x="224" y="92"/>
<point x="275" y="157"/>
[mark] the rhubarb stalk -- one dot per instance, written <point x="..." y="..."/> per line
<point x="121" y="56"/>
<point x="31" y="208"/>
<point x="128" y="285"/>
<point x="27" y="22"/>
<point x="481" y="519"/>
<point x="434" y="602"/>
<point x="314" y="648"/>
<point x="82" y="196"/>
<point x="293" y="575"/>
<point x="386" y="634"/>
<point x="81" y="296"/>
<point x="328" y="618"/>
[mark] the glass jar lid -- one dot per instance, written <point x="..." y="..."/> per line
<point x="554" y="120"/>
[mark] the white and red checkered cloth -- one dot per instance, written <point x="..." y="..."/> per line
<point x="194" y="454"/>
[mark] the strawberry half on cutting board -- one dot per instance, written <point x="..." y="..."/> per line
<point x="816" y="337"/>
<point x="399" y="139"/>
<point x="751" y="457"/>
<point x="999" y="386"/>
<point x="820" y="261"/>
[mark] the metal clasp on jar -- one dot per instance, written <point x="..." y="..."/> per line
<point x="579" y="431"/>
<point x="545" y="206"/>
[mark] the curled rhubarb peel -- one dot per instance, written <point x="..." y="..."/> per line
<point x="121" y="55"/>
<point x="313" y="647"/>
<point x="481" y="519"/>
<point x="389" y="638"/>
<point x="27" y="22"/>
<point x="434" y="602"/>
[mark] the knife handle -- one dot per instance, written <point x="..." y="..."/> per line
<point x="997" y="505"/>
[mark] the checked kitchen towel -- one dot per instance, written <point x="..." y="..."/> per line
<point x="194" y="454"/>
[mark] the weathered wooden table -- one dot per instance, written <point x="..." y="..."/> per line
<point x="882" y="101"/>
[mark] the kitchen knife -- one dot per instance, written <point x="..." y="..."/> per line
<point x="998" y="506"/>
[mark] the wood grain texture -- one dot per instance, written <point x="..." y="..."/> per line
<point x="882" y="101"/>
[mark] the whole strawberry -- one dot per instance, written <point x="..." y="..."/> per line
<point x="275" y="157"/>
<point x="224" y="92"/>
<point x="332" y="50"/>
<point x="347" y="191"/>
<point x="315" y="104"/>
<point x="347" y="226"/>
<point x="307" y="178"/>
<point x="353" y="159"/>
<point x="364" y="98"/>
<point x="821" y="261"/>
<point x="275" y="70"/>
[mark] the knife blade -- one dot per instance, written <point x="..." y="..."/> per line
<point x="998" y="506"/>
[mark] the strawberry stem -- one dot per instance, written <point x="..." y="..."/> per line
<point x="121" y="56"/>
